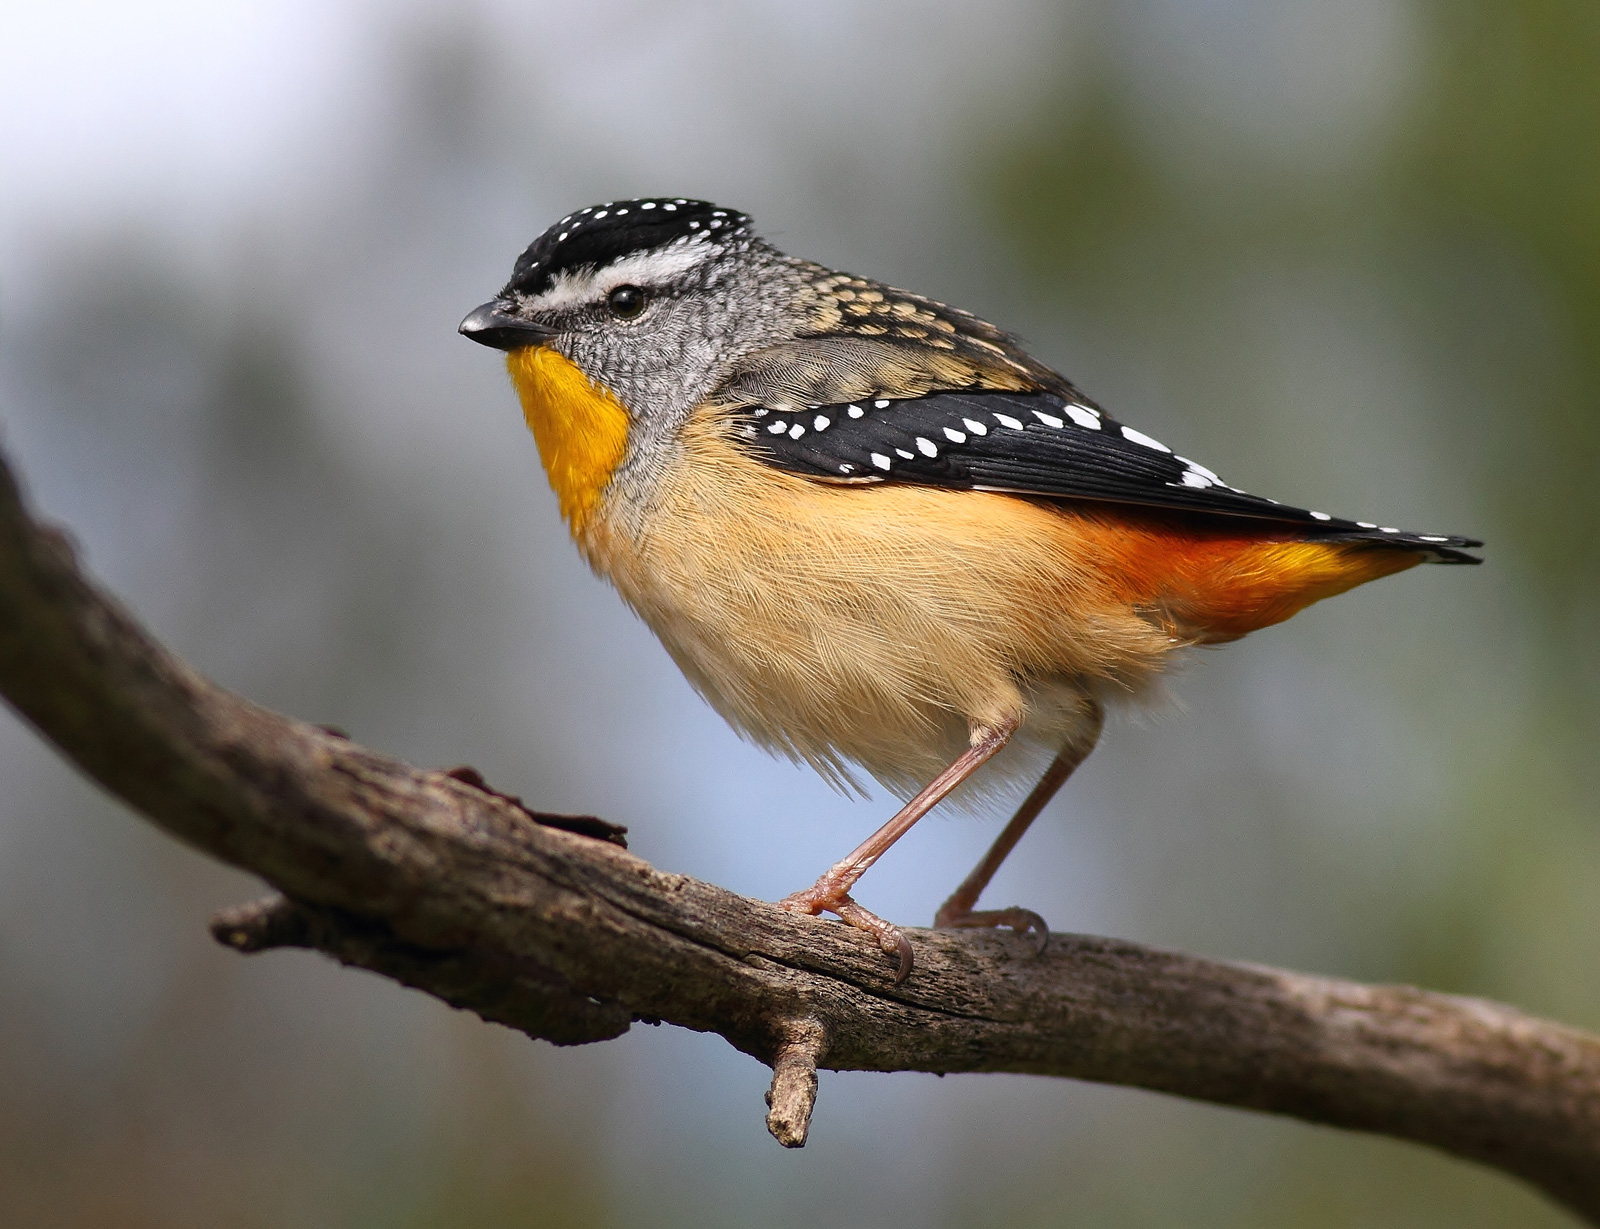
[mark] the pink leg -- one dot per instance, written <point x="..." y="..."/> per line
<point x="832" y="891"/>
<point x="958" y="910"/>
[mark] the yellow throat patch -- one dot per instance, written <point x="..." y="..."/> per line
<point x="581" y="429"/>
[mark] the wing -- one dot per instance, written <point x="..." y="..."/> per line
<point x="1038" y="443"/>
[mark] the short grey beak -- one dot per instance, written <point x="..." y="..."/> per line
<point x="492" y="325"/>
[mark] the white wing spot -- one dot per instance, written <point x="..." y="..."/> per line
<point x="855" y="411"/>
<point x="1005" y="420"/>
<point x="881" y="461"/>
<point x="1388" y="529"/>
<point x="954" y="436"/>
<point x="901" y="452"/>
<point x="796" y="431"/>
<point x="648" y="205"/>
<point x="822" y="422"/>
<point x="1432" y="537"/>
<point x="1322" y="516"/>
<point x="1084" y="417"/>
<point x="1204" y="472"/>
<point x="777" y="428"/>
<point x="1049" y="420"/>
<point x="603" y="213"/>
<point x="1199" y="481"/>
<point x="926" y="448"/>
<point x="845" y="469"/>
<point x="670" y="208"/>
<point x="882" y="405"/>
<point x="976" y="427"/>
<point x="1366" y="525"/>
<point x="1139" y="437"/>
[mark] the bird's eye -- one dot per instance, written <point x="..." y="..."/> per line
<point x="626" y="302"/>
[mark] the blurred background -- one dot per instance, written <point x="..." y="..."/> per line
<point x="1346" y="253"/>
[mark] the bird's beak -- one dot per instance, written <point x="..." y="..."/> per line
<point x="494" y="325"/>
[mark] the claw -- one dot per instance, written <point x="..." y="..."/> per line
<point x="1031" y="921"/>
<point x="1023" y="921"/>
<point x="907" y="958"/>
<point x="821" y="898"/>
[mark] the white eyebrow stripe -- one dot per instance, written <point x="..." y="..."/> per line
<point x="574" y="287"/>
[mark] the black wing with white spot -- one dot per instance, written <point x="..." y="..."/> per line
<point x="1031" y="443"/>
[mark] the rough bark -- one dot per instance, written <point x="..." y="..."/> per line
<point x="545" y="924"/>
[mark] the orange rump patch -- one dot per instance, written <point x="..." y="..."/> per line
<point x="1220" y="579"/>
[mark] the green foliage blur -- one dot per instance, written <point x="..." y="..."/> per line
<point x="1487" y="183"/>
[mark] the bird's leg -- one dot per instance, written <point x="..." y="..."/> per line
<point x="832" y="891"/>
<point x="958" y="910"/>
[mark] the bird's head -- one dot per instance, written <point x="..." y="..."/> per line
<point x="620" y="319"/>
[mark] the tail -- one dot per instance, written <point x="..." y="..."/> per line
<point x="1216" y="578"/>
<point x="1433" y="547"/>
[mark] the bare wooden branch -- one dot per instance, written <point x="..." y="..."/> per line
<point x="545" y="924"/>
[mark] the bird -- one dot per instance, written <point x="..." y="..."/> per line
<point x="874" y="532"/>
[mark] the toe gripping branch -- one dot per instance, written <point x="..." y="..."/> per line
<point x="800" y="1046"/>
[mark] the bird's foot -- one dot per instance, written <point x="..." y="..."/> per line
<point x="1023" y="921"/>
<point x="824" y="896"/>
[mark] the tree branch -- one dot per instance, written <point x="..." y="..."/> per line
<point x="545" y="924"/>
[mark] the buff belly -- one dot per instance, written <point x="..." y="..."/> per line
<point x="872" y="625"/>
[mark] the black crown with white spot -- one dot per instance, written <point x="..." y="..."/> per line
<point x="597" y="236"/>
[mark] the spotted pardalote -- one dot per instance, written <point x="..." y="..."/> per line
<point x="873" y="531"/>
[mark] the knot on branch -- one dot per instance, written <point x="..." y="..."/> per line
<point x="794" y="1080"/>
<point x="582" y="825"/>
<point x="260" y="925"/>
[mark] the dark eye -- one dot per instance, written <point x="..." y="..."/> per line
<point x="626" y="302"/>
